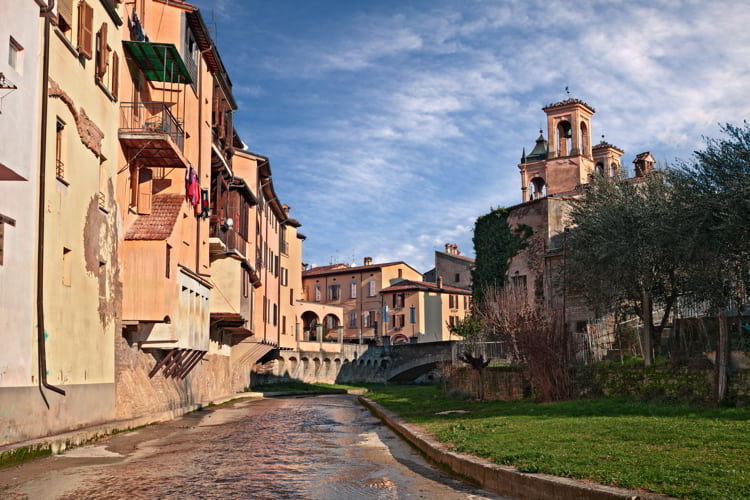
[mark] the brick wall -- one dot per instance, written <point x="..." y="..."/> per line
<point x="500" y="383"/>
<point x="138" y="395"/>
<point x="659" y="383"/>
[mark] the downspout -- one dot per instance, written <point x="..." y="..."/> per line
<point x="200" y="162"/>
<point x="41" y="350"/>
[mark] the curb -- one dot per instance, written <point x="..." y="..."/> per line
<point x="504" y="480"/>
<point x="57" y="443"/>
<point x="322" y="392"/>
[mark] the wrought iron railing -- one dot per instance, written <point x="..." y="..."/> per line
<point x="151" y="117"/>
<point x="60" y="169"/>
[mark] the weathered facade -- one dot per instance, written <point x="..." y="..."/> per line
<point x="77" y="298"/>
<point x="552" y="175"/>
<point x="454" y="268"/>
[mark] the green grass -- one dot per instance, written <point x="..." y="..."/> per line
<point x="295" y="386"/>
<point x="682" y="451"/>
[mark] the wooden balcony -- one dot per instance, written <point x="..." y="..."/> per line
<point x="225" y="239"/>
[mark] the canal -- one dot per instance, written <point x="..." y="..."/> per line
<point x="321" y="447"/>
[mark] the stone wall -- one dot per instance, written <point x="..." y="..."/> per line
<point x="500" y="383"/>
<point x="658" y="383"/>
<point x="138" y="395"/>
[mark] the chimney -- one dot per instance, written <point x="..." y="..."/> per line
<point x="440" y="282"/>
<point x="286" y="209"/>
<point x="457" y="251"/>
<point x="447" y="248"/>
<point x="368" y="261"/>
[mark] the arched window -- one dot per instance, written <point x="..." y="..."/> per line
<point x="584" y="139"/>
<point x="613" y="170"/>
<point x="600" y="168"/>
<point x="564" y="138"/>
<point x="538" y="188"/>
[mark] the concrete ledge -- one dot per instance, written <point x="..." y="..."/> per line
<point x="60" y="442"/>
<point x="504" y="480"/>
<point x="274" y="394"/>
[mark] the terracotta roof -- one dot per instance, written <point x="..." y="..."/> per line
<point x="567" y="102"/>
<point x="604" y="144"/>
<point x="405" y="285"/>
<point x="159" y="223"/>
<point x="344" y="269"/>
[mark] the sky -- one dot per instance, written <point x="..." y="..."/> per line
<point x="392" y="125"/>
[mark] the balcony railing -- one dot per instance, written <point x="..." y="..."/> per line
<point x="231" y="238"/>
<point x="151" y="117"/>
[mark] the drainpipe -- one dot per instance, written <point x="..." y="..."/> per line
<point x="41" y="349"/>
<point x="199" y="83"/>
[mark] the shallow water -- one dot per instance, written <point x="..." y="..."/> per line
<point x="325" y="447"/>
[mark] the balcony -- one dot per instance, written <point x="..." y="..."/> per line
<point x="224" y="239"/>
<point x="152" y="130"/>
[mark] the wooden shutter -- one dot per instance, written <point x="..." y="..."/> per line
<point x="144" y="191"/>
<point x="65" y="11"/>
<point x="101" y="64"/>
<point x="115" y="86"/>
<point x="85" y="30"/>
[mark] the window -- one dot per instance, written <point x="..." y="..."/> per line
<point x="291" y="297"/>
<point x="85" y="30"/>
<point x="352" y="289"/>
<point x="265" y="309"/>
<point x="398" y="300"/>
<point x="65" y="17"/>
<point x="334" y="292"/>
<point x="284" y="277"/>
<point x="275" y="314"/>
<point x="372" y="288"/>
<point x="369" y="319"/>
<point x="102" y="54"/>
<point x="413" y="315"/>
<point x="458" y="278"/>
<point x="401" y="320"/>
<point x="317" y="292"/>
<point x="67" y="267"/>
<point x="59" y="145"/>
<point x="145" y="176"/>
<point x="466" y="302"/>
<point x="276" y="266"/>
<point x="398" y="321"/>
<point x="103" y="188"/>
<point x="245" y="279"/>
<point x="400" y="273"/>
<point x="352" y="319"/>
<point x="168" y="261"/>
<point x="15" y="55"/>
<point x="283" y="324"/>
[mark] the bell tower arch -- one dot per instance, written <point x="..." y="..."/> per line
<point x="570" y="157"/>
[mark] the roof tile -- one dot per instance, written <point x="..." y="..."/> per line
<point x="159" y="223"/>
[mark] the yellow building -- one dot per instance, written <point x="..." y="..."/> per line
<point x="419" y="311"/>
<point x="78" y="290"/>
<point x="357" y="290"/>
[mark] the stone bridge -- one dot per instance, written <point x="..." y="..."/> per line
<point x="347" y="363"/>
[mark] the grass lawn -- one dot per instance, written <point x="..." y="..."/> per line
<point x="691" y="452"/>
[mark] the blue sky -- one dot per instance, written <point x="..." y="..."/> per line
<point x="392" y="125"/>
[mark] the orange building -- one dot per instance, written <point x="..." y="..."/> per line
<point x="357" y="290"/>
<point x="420" y="311"/>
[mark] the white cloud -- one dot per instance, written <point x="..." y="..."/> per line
<point x="404" y="127"/>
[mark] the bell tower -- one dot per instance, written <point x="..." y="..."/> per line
<point x="569" y="156"/>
